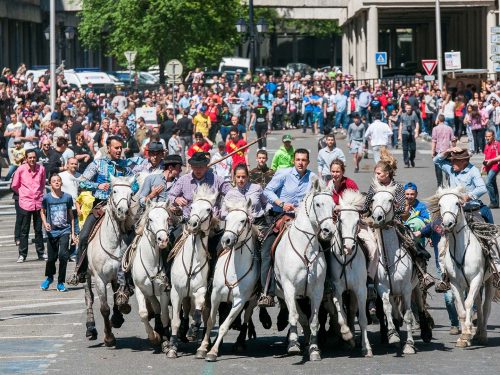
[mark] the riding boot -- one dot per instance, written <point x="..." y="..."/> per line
<point x="166" y="270"/>
<point x="123" y="293"/>
<point x="443" y="285"/>
<point x="267" y="274"/>
<point x="371" y="295"/>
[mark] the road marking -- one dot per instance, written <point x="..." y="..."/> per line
<point x="41" y="316"/>
<point x="65" y="336"/>
<point x="19" y="281"/>
<point x="53" y="355"/>
<point x="32" y="290"/>
<point x="40" y="299"/>
<point x="41" y="324"/>
<point x="47" y="304"/>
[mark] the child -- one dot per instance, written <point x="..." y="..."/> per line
<point x="18" y="154"/>
<point x="84" y="204"/>
<point x="57" y="219"/>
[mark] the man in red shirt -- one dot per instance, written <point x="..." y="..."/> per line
<point x="490" y="166"/>
<point x="235" y="143"/>
<point x="202" y="144"/>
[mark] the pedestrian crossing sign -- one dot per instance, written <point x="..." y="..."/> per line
<point x="381" y="58"/>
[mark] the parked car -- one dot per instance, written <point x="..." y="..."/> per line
<point x="303" y="69"/>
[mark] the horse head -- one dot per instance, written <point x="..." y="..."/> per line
<point x="320" y="209"/>
<point x="158" y="218"/>
<point x="447" y="202"/>
<point x="351" y="204"/>
<point x="121" y="195"/>
<point x="202" y="209"/>
<point x="383" y="204"/>
<point x="238" y="223"/>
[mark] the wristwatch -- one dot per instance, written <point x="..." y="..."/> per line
<point x="282" y="204"/>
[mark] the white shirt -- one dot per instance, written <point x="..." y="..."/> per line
<point x="325" y="158"/>
<point x="223" y="168"/>
<point x="449" y="109"/>
<point x="16" y="126"/>
<point x="70" y="184"/>
<point x="378" y="133"/>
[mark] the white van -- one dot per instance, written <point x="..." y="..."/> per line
<point x="234" y="65"/>
<point x="81" y="77"/>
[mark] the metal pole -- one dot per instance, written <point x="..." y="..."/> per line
<point x="173" y="90"/>
<point x="251" y="29"/>
<point x="439" y="48"/>
<point x="52" y="41"/>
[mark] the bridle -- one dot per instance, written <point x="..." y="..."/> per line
<point x="112" y="204"/>
<point x="354" y="238"/>
<point x="453" y="214"/>
<point x="386" y="212"/>
<point x="318" y="222"/>
<point x="148" y="227"/>
<point x="209" y="216"/>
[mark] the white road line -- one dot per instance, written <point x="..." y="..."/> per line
<point x="49" y="356"/>
<point x="47" y="304"/>
<point x="42" y="316"/>
<point x="65" y="336"/>
<point x="41" y="324"/>
<point x="31" y="290"/>
<point x="19" y="281"/>
<point x="40" y="299"/>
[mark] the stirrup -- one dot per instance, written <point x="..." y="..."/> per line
<point x="426" y="282"/>
<point x="495" y="279"/>
<point x="266" y="301"/>
<point x="76" y="279"/>
<point x="442" y="286"/>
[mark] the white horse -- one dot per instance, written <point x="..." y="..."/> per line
<point x="235" y="276"/>
<point x="395" y="274"/>
<point x="104" y="255"/>
<point x="464" y="263"/>
<point x="348" y="266"/>
<point x="300" y="264"/>
<point x="189" y="272"/>
<point x="147" y="268"/>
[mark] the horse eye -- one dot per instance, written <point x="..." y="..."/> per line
<point x="208" y="209"/>
<point x="317" y="204"/>
<point x="114" y="191"/>
<point x="242" y="221"/>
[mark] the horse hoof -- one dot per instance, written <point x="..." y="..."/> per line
<point x="347" y="336"/>
<point x="239" y="347"/>
<point x="393" y="337"/>
<point x="409" y="349"/>
<point x="200" y="354"/>
<point x="117" y="320"/>
<point x="165" y="346"/>
<point x="293" y="348"/>
<point x="91" y="333"/>
<point x="211" y="357"/>
<point x="314" y="356"/>
<point x="351" y="343"/>
<point x="155" y="339"/>
<point x="125" y="308"/>
<point x="110" y="341"/>
<point x="367" y="353"/>
<point x="172" y="353"/>
<point x="426" y="336"/>
<point x="462" y="343"/>
<point x="264" y="318"/>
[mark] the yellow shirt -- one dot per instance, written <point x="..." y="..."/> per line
<point x="86" y="201"/>
<point x="202" y="124"/>
<point x="18" y="155"/>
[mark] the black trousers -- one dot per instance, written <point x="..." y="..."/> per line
<point x="261" y="130"/>
<point x="409" y="148"/>
<point x="84" y="240"/>
<point x="57" y="248"/>
<point x="25" y="219"/>
<point x="17" y="227"/>
<point x="267" y="264"/>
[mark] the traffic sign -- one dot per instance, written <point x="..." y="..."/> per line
<point x="496" y="67"/>
<point x="495" y="30"/>
<point x="173" y="69"/>
<point x="130" y="56"/>
<point x="381" y="58"/>
<point x="452" y="60"/>
<point x="429" y="78"/>
<point x="429" y="66"/>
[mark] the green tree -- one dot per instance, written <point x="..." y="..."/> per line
<point x="197" y="32"/>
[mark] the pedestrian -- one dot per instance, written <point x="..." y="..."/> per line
<point x="57" y="218"/>
<point x="70" y="185"/>
<point x="234" y="143"/>
<point x="29" y="183"/>
<point x="408" y="133"/>
<point x="283" y="158"/>
<point x="202" y="144"/>
<point x="259" y="116"/>
<point x="491" y="167"/>
<point x="393" y="121"/>
<point x="18" y="154"/>
<point x="174" y="143"/>
<point x="325" y="157"/>
<point x="202" y="122"/>
<point x="442" y="135"/>
<point x="185" y="125"/>
<point x="378" y="133"/>
<point x="261" y="174"/>
<point x="355" y="137"/>
<point x="223" y="168"/>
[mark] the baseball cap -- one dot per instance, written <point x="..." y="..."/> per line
<point x="287" y="138"/>
<point x="410" y="186"/>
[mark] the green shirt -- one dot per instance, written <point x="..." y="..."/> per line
<point x="283" y="158"/>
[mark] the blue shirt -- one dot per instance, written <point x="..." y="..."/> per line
<point x="317" y="107"/>
<point x="470" y="177"/>
<point x="56" y="211"/>
<point x="308" y="106"/>
<point x="267" y="100"/>
<point x="340" y="102"/>
<point x="246" y="98"/>
<point x="288" y="186"/>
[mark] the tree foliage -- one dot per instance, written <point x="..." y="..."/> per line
<point x="197" y="32"/>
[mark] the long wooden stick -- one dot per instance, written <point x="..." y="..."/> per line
<point x="234" y="152"/>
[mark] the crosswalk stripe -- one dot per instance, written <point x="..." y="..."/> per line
<point x="65" y="336"/>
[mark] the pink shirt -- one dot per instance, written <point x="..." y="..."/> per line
<point x="442" y="135"/>
<point x="30" y="186"/>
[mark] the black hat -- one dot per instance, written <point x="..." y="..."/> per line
<point x="199" y="159"/>
<point x="155" y="147"/>
<point x="173" y="160"/>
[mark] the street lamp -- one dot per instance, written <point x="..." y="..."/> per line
<point x="241" y="26"/>
<point x="262" y="25"/>
<point x="69" y="33"/>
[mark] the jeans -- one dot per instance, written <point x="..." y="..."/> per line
<point x="261" y="130"/>
<point x="491" y="185"/>
<point x="497" y="132"/>
<point x="470" y="138"/>
<point x="308" y="121"/>
<point x="72" y="248"/>
<point x="186" y="142"/>
<point x="267" y="264"/>
<point x="441" y="177"/>
<point x="363" y="112"/>
<point x="341" y="118"/>
<point x="12" y="169"/>
<point x="459" y="126"/>
<point x="450" y="121"/>
<point x="57" y="247"/>
<point x="409" y="148"/>
<point x="321" y="122"/>
<point x="25" y="217"/>
<point x="486" y="214"/>
<point x="478" y="135"/>
<point x="395" y="135"/>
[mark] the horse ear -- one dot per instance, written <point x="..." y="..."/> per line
<point x="316" y="185"/>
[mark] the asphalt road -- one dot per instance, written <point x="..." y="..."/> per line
<point x="44" y="332"/>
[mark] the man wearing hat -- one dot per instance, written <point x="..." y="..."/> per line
<point x="154" y="162"/>
<point x="156" y="186"/>
<point x="283" y="158"/>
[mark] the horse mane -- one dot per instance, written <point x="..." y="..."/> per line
<point x="122" y="180"/>
<point x="205" y="192"/>
<point x="433" y="201"/>
<point x="378" y="187"/>
<point x="352" y="198"/>
<point x="141" y="225"/>
<point x="237" y="204"/>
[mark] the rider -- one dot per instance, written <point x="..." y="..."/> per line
<point x="455" y="162"/>
<point x="97" y="178"/>
<point x="285" y="191"/>
<point x="154" y="163"/>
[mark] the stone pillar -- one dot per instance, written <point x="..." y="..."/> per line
<point x="490" y="22"/>
<point x="345" y="49"/>
<point x="362" y="45"/>
<point x="372" y="41"/>
<point x="354" y="47"/>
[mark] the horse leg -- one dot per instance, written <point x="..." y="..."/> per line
<point x="425" y="324"/>
<point x="143" y="314"/>
<point x="158" y="328"/>
<point x="171" y="349"/>
<point x="165" y="317"/>
<point x="117" y="317"/>
<point x="409" y="347"/>
<point x="460" y="306"/>
<point x="109" y="338"/>
<point x="342" y="319"/>
<point x="361" y="294"/>
<point x="314" y="352"/>
<point x="91" y="333"/>
<point x="212" y="317"/>
<point x="304" y="321"/>
<point x="240" y="346"/>
<point x="184" y="327"/>
<point x="481" y="336"/>
<point x="475" y="285"/>
<point x="235" y="311"/>
<point x="393" y="335"/>
<point x="199" y="304"/>
<point x="293" y="317"/>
